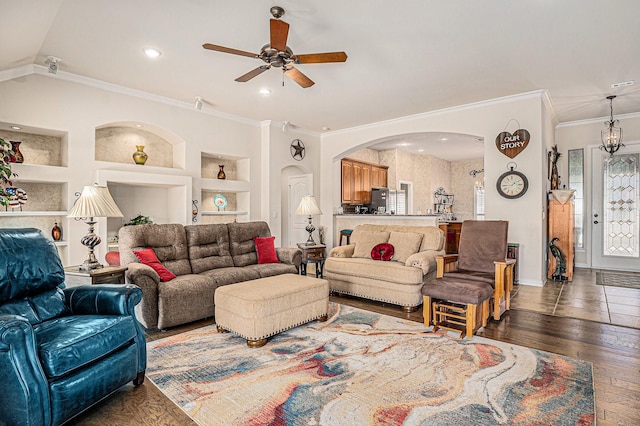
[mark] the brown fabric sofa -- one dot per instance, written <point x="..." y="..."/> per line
<point x="351" y="270"/>
<point x="203" y="258"/>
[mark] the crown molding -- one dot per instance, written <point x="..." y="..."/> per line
<point x="599" y="120"/>
<point x="473" y="105"/>
<point x="26" y="70"/>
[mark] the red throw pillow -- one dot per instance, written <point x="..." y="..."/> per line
<point x="266" y="250"/>
<point x="148" y="257"/>
<point x="382" y="251"/>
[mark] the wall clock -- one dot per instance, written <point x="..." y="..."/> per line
<point x="512" y="184"/>
<point x="297" y="149"/>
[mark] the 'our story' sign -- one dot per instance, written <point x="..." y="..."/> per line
<point x="512" y="144"/>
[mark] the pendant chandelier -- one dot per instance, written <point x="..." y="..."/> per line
<point x="611" y="135"/>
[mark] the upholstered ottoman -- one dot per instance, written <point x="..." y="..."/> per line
<point x="259" y="309"/>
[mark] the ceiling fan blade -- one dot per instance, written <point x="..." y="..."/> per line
<point x="228" y="50"/>
<point x="253" y="73"/>
<point x="279" y="34"/>
<point x="317" y="58"/>
<point x="298" y="77"/>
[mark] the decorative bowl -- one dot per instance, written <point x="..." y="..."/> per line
<point x="562" y="195"/>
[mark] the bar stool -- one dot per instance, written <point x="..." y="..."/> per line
<point x="345" y="233"/>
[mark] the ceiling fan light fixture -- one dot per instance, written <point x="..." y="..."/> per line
<point x="611" y="135"/>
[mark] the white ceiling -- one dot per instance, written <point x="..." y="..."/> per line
<point x="404" y="57"/>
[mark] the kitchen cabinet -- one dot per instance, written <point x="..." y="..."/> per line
<point x="347" y="182"/>
<point x="357" y="180"/>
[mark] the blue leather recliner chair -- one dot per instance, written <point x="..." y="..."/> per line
<point x="61" y="349"/>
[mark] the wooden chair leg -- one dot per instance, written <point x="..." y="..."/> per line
<point x="426" y="310"/>
<point x="471" y="319"/>
<point x="485" y="312"/>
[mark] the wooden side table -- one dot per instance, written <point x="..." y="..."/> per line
<point x="312" y="254"/>
<point x="105" y="275"/>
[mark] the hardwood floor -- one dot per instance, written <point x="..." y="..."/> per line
<point x="613" y="350"/>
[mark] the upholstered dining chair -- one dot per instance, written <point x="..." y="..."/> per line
<point x="61" y="349"/>
<point x="479" y="272"/>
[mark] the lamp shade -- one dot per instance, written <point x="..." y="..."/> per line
<point x="95" y="201"/>
<point x="308" y="206"/>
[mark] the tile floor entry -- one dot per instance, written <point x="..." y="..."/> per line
<point x="582" y="298"/>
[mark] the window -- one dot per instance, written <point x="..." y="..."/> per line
<point x="576" y="181"/>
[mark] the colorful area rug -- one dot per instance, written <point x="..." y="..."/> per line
<point x="363" y="368"/>
<point x="618" y="280"/>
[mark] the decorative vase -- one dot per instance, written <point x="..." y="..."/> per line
<point x="56" y="232"/>
<point x="140" y="157"/>
<point x="221" y="174"/>
<point x="17" y="156"/>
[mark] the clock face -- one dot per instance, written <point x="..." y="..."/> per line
<point x="512" y="184"/>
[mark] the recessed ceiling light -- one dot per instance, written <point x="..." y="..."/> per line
<point x="152" y="52"/>
<point x="139" y="126"/>
<point x="404" y="144"/>
<point x="265" y="91"/>
<point x="444" y="139"/>
<point x="16" y="127"/>
<point x="326" y="128"/>
<point x="421" y="150"/>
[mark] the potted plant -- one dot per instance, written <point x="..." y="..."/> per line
<point x="5" y="170"/>
<point x="139" y="220"/>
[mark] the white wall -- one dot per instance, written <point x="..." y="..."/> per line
<point x="51" y="102"/>
<point x="487" y="119"/>
<point x="278" y="143"/>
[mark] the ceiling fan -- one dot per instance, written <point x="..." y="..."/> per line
<point x="277" y="54"/>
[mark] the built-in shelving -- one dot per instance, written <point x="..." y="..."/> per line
<point x="18" y="213"/>
<point x="223" y="213"/>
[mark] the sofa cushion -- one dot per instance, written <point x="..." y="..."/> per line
<point x="241" y="244"/>
<point x="68" y="343"/>
<point x="367" y="241"/>
<point x="404" y="244"/>
<point x="36" y="309"/>
<point x="266" y="250"/>
<point x="372" y="270"/>
<point x="224" y="276"/>
<point x="169" y="242"/>
<point x="382" y="252"/>
<point x="208" y="246"/>
<point x="271" y="269"/>
<point x="149" y="258"/>
<point x="474" y="292"/>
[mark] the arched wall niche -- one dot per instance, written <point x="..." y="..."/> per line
<point x="428" y="160"/>
<point x="116" y="142"/>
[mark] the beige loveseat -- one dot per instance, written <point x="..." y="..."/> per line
<point x="203" y="258"/>
<point x="351" y="270"/>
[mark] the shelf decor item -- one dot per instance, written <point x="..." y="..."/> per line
<point x="94" y="201"/>
<point x="5" y="170"/>
<point x="16" y="197"/>
<point x="221" y="173"/>
<point x="220" y="201"/>
<point x="56" y="232"/>
<point x="140" y="157"/>
<point x="17" y="156"/>
<point x="309" y="207"/>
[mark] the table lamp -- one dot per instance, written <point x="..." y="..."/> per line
<point x="95" y="201"/>
<point x="309" y="206"/>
